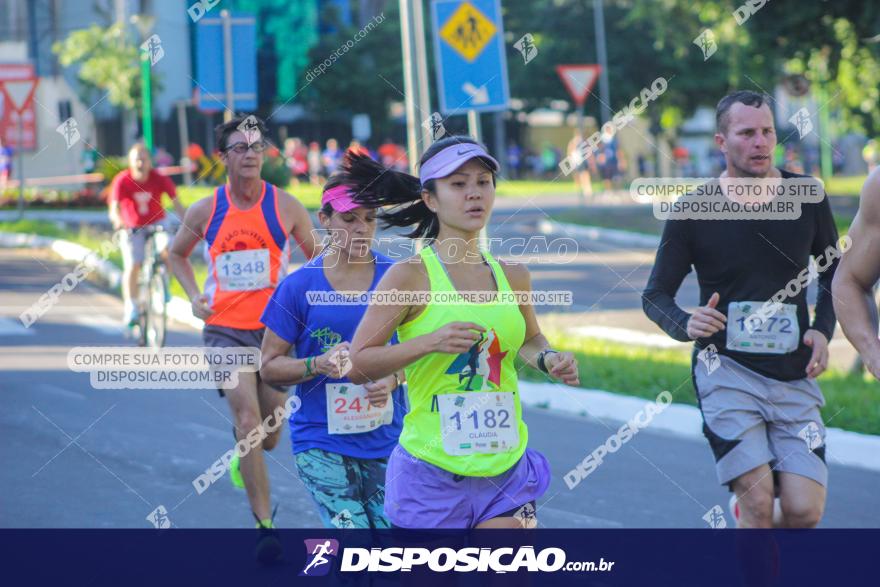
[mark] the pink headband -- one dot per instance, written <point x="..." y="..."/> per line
<point x="340" y="198"/>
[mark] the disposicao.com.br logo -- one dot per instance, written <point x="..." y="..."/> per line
<point x="444" y="559"/>
<point x="320" y="554"/>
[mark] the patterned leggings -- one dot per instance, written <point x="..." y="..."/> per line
<point x="349" y="492"/>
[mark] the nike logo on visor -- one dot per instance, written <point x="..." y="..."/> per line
<point x="466" y="151"/>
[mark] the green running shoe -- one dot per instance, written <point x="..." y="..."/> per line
<point x="235" y="472"/>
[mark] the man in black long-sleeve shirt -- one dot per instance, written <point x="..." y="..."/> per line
<point x="755" y="370"/>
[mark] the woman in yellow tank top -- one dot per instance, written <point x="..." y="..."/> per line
<point x="461" y="318"/>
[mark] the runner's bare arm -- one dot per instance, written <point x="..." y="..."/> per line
<point x="857" y="273"/>
<point x="190" y="233"/>
<point x="279" y="367"/>
<point x="561" y="365"/>
<point x="295" y="216"/>
<point x="113" y="211"/>
<point x="371" y="356"/>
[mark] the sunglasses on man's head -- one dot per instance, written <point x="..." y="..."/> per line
<point x="242" y="147"/>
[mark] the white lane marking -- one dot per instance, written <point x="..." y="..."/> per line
<point x="13" y="327"/>
<point x="103" y="324"/>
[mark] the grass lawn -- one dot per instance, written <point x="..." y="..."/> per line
<point x="851" y="401"/>
<point x="845" y="186"/>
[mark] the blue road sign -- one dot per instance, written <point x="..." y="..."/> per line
<point x="210" y="76"/>
<point x="470" y="56"/>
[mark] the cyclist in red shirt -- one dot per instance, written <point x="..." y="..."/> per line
<point x="135" y="204"/>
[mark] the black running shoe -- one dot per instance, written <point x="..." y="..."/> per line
<point x="268" y="550"/>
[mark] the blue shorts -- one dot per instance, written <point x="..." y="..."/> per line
<point x="349" y="492"/>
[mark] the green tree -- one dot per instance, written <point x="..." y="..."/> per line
<point x="108" y="62"/>
<point x="287" y="31"/>
<point x="364" y="76"/>
<point x="828" y="42"/>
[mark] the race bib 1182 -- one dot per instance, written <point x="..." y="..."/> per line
<point x="481" y="422"/>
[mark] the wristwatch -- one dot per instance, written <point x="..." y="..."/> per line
<point x="541" y="356"/>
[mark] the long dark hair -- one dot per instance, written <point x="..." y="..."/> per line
<point x="376" y="186"/>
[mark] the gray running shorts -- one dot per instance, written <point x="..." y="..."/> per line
<point x="225" y="337"/>
<point x="750" y="420"/>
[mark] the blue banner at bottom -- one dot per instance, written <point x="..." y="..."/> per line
<point x="125" y="558"/>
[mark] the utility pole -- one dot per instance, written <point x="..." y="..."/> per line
<point x="602" y="54"/>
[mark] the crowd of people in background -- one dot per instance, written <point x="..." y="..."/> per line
<point x="309" y="163"/>
<point x="605" y="170"/>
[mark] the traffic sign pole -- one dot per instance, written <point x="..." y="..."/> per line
<point x="413" y="127"/>
<point x="19" y="93"/>
<point x="227" y="65"/>
<point x="473" y="118"/>
<point x="421" y="65"/>
<point x="20" y="166"/>
<point x="602" y="53"/>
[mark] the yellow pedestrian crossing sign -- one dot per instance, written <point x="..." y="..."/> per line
<point x="468" y="31"/>
<point x="470" y="56"/>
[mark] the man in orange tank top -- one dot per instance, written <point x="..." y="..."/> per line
<point x="246" y="225"/>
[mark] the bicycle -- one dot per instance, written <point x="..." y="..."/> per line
<point x="153" y="291"/>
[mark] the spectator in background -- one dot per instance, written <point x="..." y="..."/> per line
<point x="779" y="155"/>
<point x="163" y="158"/>
<point x="388" y="153"/>
<point x="549" y="160"/>
<point x="313" y="158"/>
<point x="332" y="157"/>
<point x="681" y="155"/>
<point x="611" y="162"/>
<point x="356" y="146"/>
<point x="583" y="165"/>
<point x="295" y="156"/>
<point x="533" y="163"/>
<point x="89" y="157"/>
<point x="199" y="164"/>
<point x="514" y="159"/>
<point x="792" y="160"/>
<point x="5" y="165"/>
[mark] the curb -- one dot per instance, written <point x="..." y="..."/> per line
<point x="851" y="449"/>
<point x="844" y="447"/>
<point x="622" y="238"/>
<point x="68" y="251"/>
<point x="179" y="309"/>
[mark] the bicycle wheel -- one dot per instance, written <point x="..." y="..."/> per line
<point x="157" y="312"/>
<point x="143" y="305"/>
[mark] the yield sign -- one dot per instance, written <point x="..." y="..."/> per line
<point x="19" y="92"/>
<point x="578" y="80"/>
